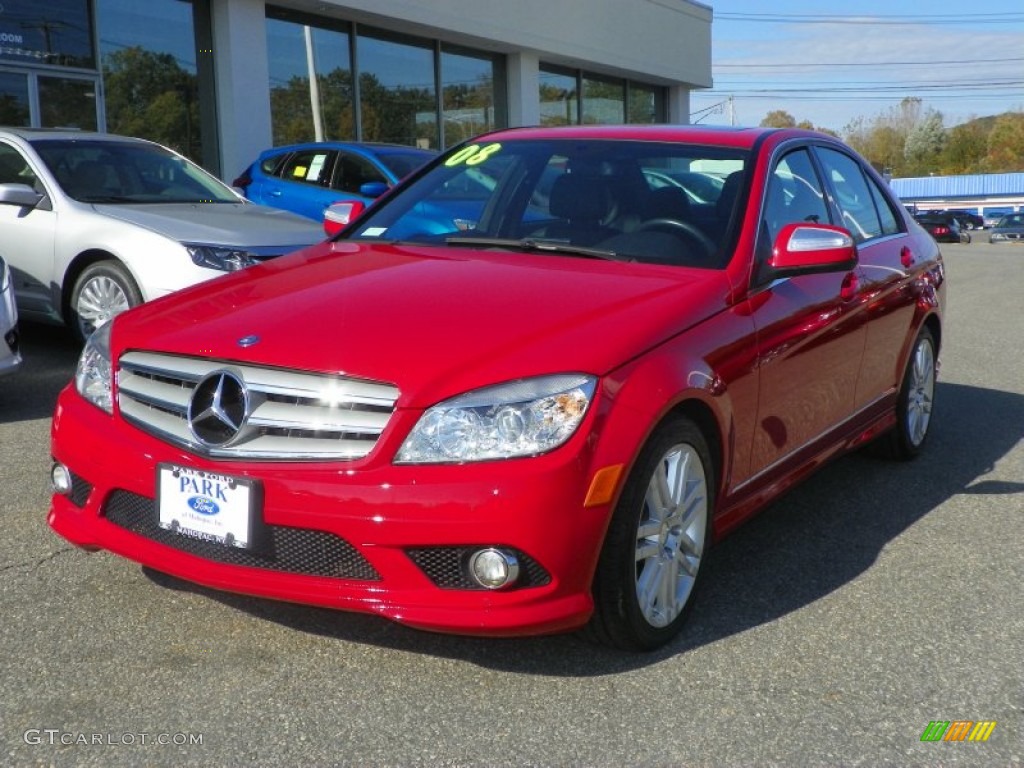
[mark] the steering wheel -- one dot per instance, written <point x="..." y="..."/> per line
<point x="676" y="226"/>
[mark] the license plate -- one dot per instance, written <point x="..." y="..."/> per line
<point x="206" y="505"/>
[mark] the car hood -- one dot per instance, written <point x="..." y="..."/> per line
<point x="234" y="224"/>
<point x="434" y="322"/>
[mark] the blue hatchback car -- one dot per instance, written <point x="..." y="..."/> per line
<point x="306" y="178"/>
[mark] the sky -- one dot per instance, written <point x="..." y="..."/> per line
<point x="833" y="63"/>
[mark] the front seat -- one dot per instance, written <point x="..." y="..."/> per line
<point x="583" y="203"/>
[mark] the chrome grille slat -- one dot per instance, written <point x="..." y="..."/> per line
<point x="321" y="418"/>
<point x="295" y="415"/>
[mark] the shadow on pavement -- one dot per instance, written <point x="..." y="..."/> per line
<point x="809" y="543"/>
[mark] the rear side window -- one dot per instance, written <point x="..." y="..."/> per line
<point x="310" y="167"/>
<point x="866" y="212"/>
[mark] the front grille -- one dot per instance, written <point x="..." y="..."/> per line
<point x="282" y="548"/>
<point x="447" y="567"/>
<point x="292" y="415"/>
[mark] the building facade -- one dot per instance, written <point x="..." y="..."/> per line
<point x="221" y="80"/>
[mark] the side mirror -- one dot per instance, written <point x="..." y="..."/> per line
<point x="373" y="189"/>
<point x="805" y="248"/>
<point x="19" y="194"/>
<point x="337" y="216"/>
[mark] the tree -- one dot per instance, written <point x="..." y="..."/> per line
<point x="924" y="144"/>
<point x="778" y="118"/>
<point x="965" y="149"/>
<point x="1006" y="144"/>
<point x="149" y="95"/>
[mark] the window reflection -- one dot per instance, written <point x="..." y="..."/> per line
<point x="604" y="101"/>
<point x="397" y="92"/>
<point x="14" y="109"/>
<point x="559" y="100"/>
<point x="646" y="104"/>
<point x="67" y="103"/>
<point x="307" y="105"/>
<point x="55" y="32"/>
<point x="147" y="54"/>
<point x="467" y="89"/>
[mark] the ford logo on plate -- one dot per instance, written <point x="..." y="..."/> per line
<point x="203" y="505"/>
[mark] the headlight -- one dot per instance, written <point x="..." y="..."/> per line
<point x="94" y="377"/>
<point x="215" y="257"/>
<point x="520" y="418"/>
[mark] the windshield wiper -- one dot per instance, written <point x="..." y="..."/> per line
<point x="533" y="244"/>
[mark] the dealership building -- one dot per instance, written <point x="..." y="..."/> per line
<point x="221" y="80"/>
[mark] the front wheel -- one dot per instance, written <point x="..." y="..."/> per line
<point x="103" y="290"/>
<point x="656" y="543"/>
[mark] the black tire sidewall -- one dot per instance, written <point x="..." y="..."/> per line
<point x="110" y="269"/>
<point x="616" y="602"/>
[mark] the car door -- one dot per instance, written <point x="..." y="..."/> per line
<point x="810" y="335"/>
<point x="29" y="236"/>
<point x="303" y="186"/>
<point x="886" y="255"/>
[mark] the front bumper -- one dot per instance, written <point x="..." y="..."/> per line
<point x="363" y="536"/>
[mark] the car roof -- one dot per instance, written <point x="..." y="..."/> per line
<point x="354" y="145"/>
<point x="733" y="136"/>
<point x="65" y="134"/>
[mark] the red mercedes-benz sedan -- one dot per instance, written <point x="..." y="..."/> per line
<point x="524" y="391"/>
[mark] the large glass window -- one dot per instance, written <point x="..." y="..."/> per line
<point x="467" y="88"/>
<point x="646" y="104"/>
<point x="386" y="92"/>
<point x="55" y="32"/>
<point x="14" y="105"/>
<point x="148" y="59"/>
<point x="397" y="92"/>
<point x="604" y="100"/>
<point x="67" y="103"/>
<point x="310" y="79"/>
<point x="559" y="98"/>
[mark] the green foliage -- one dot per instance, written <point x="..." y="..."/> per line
<point x="149" y="95"/>
<point x="911" y="141"/>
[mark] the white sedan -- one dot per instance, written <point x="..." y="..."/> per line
<point x="95" y="224"/>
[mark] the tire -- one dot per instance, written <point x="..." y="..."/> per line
<point x="104" y="289"/>
<point x="915" y="402"/>
<point x="650" y="563"/>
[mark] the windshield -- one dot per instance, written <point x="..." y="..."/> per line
<point x="98" y="171"/>
<point x="630" y="200"/>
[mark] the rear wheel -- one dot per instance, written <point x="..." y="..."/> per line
<point x="103" y="290"/>
<point x="916" y="399"/>
<point x="656" y="543"/>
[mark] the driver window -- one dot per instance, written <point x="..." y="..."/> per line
<point x="794" y="195"/>
<point x="13" y="168"/>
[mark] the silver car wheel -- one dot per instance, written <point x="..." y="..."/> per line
<point x="921" y="392"/>
<point x="670" y="538"/>
<point x="99" y="300"/>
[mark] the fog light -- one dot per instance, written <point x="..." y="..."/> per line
<point x="60" y="479"/>
<point x="493" y="568"/>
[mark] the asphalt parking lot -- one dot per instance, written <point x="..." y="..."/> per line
<point x="871" y="601"/>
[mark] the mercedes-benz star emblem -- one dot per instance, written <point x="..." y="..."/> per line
<point x="218" y="408"/>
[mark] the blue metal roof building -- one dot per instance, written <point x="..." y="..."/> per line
<point x="964" y="188"/>
<point x="988" y="194"/>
